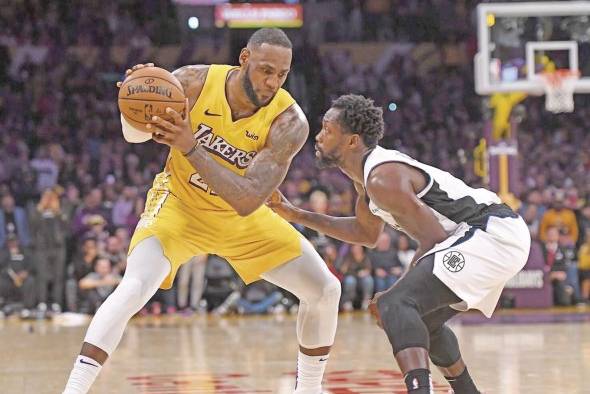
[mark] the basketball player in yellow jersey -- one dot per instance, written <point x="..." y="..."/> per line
<point x="226" y="158"/>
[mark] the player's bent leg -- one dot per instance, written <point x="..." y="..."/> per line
<point x="444" y="347"/>
<point x="401" y="309"/>
<point x="308" y="278"/>
<point x="146" y="269"/>
<point x="445" y="353"/>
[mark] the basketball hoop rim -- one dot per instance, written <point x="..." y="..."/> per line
<point x="559" y="87"/>
<point x="557" y="77"/>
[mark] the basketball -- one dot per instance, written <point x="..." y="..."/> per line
<point x="148" y="92"/>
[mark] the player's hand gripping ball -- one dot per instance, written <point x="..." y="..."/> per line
<point x="146" y="92"/>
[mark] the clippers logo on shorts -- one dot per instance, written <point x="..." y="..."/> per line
<point x="454" y="261"/>
<point x="220" y="147"/>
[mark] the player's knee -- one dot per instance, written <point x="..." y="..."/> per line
<point x="444" y="347"/>
<point x="326" y="291"/>
<point x="394" y="306"/>
<point x="329" y="293"/>
<point x="332" y="292"/>
<point x="318" y="316"/>
<point x="395" y="300"/>
<point x="130" y="292"/>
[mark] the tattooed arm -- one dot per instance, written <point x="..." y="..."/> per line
<point x="192" y="78"/>
<point x="266" y="172"/>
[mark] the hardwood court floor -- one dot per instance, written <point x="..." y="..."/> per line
<point x="233" y="355"/>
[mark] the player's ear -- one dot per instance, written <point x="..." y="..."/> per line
<point x="355" y="141"/>
<point x="244" y="56"/>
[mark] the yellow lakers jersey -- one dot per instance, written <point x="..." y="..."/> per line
<point x="231" y="144"/>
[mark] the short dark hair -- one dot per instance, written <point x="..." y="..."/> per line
<point x="271" y="36"/>
<point x="359" y="115"/>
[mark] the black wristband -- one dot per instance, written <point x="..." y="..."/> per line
<point x="190" y="152"/>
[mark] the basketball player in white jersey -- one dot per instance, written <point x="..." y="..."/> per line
<point x="470" y="244"/>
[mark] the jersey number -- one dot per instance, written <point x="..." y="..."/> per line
<point x="197" y="180"/>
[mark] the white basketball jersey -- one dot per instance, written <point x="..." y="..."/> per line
<point x="449" y="198"/>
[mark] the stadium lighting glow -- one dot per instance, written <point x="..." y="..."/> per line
<point x="193" y="22"/>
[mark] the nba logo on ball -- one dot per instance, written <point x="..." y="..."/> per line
<point x="454" y="261"/>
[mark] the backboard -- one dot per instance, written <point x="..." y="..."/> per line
<point x="518" y="41"/>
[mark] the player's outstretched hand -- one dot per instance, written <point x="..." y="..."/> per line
<point x="279" y="203"/>
<point x="374" y="310"/>
<point x="177" y="134"/>
<point x="130" y="71"/>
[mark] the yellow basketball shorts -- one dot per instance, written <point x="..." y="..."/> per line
<point x="252" y="244"/>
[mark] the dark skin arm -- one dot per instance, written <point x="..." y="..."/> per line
<point x="393" y="187"/>
<point x="363" y="228"/>
<point x="86" y="283"/>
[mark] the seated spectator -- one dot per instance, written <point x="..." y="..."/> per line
<point x="318" y="203"/>
<point x="386" y="266"/>
<point x="92" y="206"/>
<point x="162" y="301"/>
<point x="584" y="223"/>
<point x="260" y="297"/>
<point x="98" y="285"/>
<point x="222" y="284"/>
<point x="584" y="269"/>
<point x="13" y="220"/>
<point x="530" y="216"/>
<point x="82" y="264"/>
<point x="97" y="225"/>
<point x="124" y="206"/>
<point x="124" y="237"/>
<point x="16" y="276"/>
<point x="356" y="268"/>
<point x="568" y="245"/>
<point x="115" y="252"/>
<point x="558" y="259"/>
<point x="405" y="251"/>
<point x="330" y="257"/>
<point x="561" y="217"/>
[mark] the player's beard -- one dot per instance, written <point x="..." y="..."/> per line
<point x="249" y="89"/>
<point x="326" y="161"/>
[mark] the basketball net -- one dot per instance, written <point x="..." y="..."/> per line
<point x="559" y="88"/>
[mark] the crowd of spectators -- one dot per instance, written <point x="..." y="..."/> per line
<point x="72" y="189"/>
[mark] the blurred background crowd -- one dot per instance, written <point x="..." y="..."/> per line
<point x="72" y="189"/>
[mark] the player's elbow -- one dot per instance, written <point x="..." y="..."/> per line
<point x="245" y="200"/>
<point x="361" y="238"/>
<point x="370" y="242"/>
<point x="246" y="209"/>
<point x="369" y="237"/>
